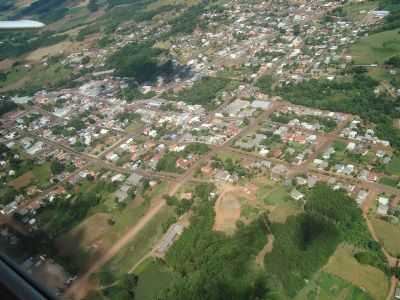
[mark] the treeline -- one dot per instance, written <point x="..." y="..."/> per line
<point x="212" y="265"/>
<point x="305" y="242"/>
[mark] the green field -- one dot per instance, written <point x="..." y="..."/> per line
<point x="393" y="167"/>
<point x="154" y="276"/>
<point x="388" y="234"/>
<point x="127" y="257"/>
<point x="376" y="48"/>
<point x="353" y="9"/>
<point x="389" y="181"/>
<point x="329" y="287"/>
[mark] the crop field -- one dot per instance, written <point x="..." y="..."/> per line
<point x="327" y="287"/>
<point x="342" y="264"/>
<point x="389" y="235"/>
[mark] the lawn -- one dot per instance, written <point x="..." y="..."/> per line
<point x="327" y="287"/>
<point x="394" y="166"/>
<point x="154" y="276"/>
<point x="376" y="48"/>
<point x="388" y="234"/>
<point x="345" y="266"/>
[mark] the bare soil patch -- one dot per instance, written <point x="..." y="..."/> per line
<point x="22" y="181"/>
<point x="5" y="64"/>
<point x="227" y="210"/>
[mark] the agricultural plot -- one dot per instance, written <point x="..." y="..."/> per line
<point x="328" y="287"/>
<point x="388" y="234"/>
<point x="343" y="264"/>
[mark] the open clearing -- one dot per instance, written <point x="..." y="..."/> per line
<point x="376" y="48"/>
<point x="280" y="213"/>
<point x="53" y="50"/>
<point x="388" y="234"/>
<point x="227" y="210"/>
<point x="345" y="266"/>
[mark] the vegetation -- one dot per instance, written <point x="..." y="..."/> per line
<point x="168" y="162"/>
<point x="212" y="265"/>
<point x="354" y="95"/>
<point x="203" y="92"/>
<point x="140" y="61"/>
<point x="306" y="241"/>
<point x="63" y="214"/>
<point x="6" y="106"/>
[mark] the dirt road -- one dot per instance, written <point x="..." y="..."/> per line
<point x="78" y="289"/>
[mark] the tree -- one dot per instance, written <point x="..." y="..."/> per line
<point x="93" y="6"/>
<point x="57" y="167"/>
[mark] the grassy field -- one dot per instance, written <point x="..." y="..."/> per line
<point x="388" y="181"/>
<point x="388" y="233"/>
<point x="394" y="166"/>
<point x="153" y="277"/>
<point x="376" y="48"/>
<point x="329" y="287"/>
<point x="126" y="259"/>
<point x="353" y="9"/>
<point x="37" y="76"/>
<point x="281" y="212"/>
<point x="342" y="264"/>
<point x="273" y="195"/>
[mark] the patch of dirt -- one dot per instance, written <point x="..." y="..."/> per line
<point x="22" y="181"/>
<point x="5" y="64"/>
<point x="267" y="249"/>
<point x="227" y="210"/>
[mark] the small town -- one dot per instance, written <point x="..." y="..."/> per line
<point x="246" y="120"/>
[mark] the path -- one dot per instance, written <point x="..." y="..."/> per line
<point x="267" y="249"/>
<point x="78" y="288"/>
